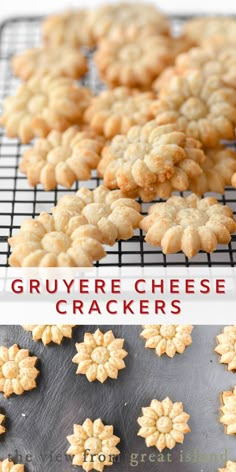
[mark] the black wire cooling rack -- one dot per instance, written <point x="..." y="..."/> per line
<point x="18" y="201"/>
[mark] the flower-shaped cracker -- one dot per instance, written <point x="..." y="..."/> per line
<point x="167" y="339"/>
<point x="100" y="356"/>
<point x="209" y="62"/>
<point x="188" y="224"/>
<point x="115" y="111"/>
<point x="73" y="235"/>
<point x="114" y="216"/>
<point x="217" y="171"/>
<point x="163" y="424"/>
<point x="17" y="370"/>
<point x="135" y="63"/>
<point x="43" y="104"/>
<point x="62" y="158"/>
<point x="2" y="421"/>
<point x="61" y="61"/>
<point x="219" y="61"/>
<point x="202" y="29"/>
<point x="203" y="107"/>
<point x="63" y="240"/>
<point x="229" y="467"/>
<point x="50" y="333"/>
<point x="9" y="466"/>
<point x="148" y="156"/>
<point x="93" y="445"/>
<point x="228" y="411"/>
<point x="127" y="20"/>
<point x="71" y="28"/>
<point x="227" y="347"/>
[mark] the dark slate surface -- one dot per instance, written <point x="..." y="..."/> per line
<point x="39" y="421"/>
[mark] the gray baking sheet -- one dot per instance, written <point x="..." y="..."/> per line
<point x="39" y="421"/>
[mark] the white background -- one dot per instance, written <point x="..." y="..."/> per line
<point x="21" y="7"/>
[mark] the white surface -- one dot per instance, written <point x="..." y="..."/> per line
<point x="21" y="7"/>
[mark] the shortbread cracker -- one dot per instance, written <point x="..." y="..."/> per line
<point x="229" y="467"/>
<point x="163" y="424"/>
<point x="71" y="28"/>
<point x="228" y="411"/>
<point x="113" y="215"/>
<point x="8" y="466"/>
<point x="93" y="445"/>
<point x="17" y="370"/>
<point x="188" y="224"/>
<point x="115" y="111"/>
<point x="134" y="63"/>
<point x="50" y="241"/>
<point x="205" y="108"/>
<point x="43" y="104"/>
<point x="167" y="339"/>
<point x="137" y="62"/>
<point x="74" y="234"/>
<point x="62" y="158"/>
<point x="146" y="157"/>
<point x="218" y="61"/>
<point x="128" y="21"/>
<point x="100" y="356"/>
<point x="217" y="173"/>
<point x="226" y="347"/>
<point x="221" y="29"/>
<point x="62" y="61"/>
